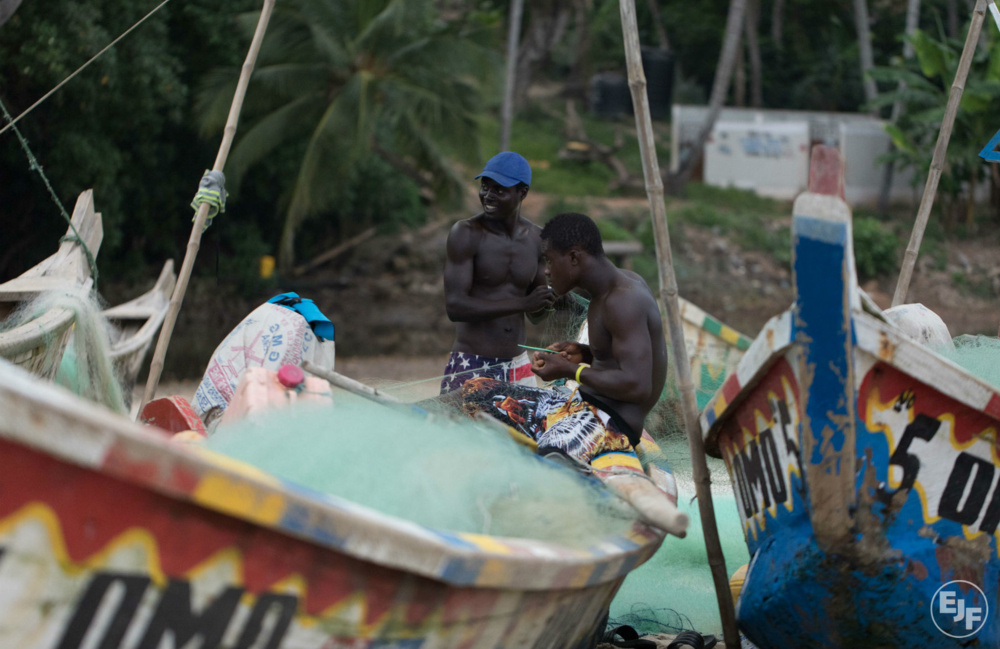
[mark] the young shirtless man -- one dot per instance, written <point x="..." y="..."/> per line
<point x="621" y="372"/>
<point x="493" y="277"/>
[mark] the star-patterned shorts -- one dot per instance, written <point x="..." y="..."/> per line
<point x="462" y="367"/>
<point x="557" y="421"/>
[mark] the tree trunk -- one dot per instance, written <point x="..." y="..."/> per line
<point x="7" y="9"/>
<point x="720" y="88"/>
<point x="545" y="29"/>
<point x="580" y="68"/>
<point x="777" y="23"/>
<point x="740" y="79"/>
<point x="752" y="23"/>
<point x="661" y="33"/>
<point x="513" y="36"/>
<point x="951" y="8"/>
<point x="912" y="22"/>
<point x="865" y="47"/>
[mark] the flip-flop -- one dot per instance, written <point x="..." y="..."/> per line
<point x="629" y="638"/>
<point x="694" y="640"/>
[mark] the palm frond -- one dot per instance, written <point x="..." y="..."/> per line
<point x="292" y="79"/>
<point x="214" y="97"/>
<point x="270" y="132"/>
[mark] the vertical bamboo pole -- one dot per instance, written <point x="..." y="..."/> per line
<point x="194" y="242"/>
<point x="668" y="293"/>
<point x="513" y="37"/>
<point x="940" y="151"/>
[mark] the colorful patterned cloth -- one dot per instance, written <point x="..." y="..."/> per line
<point x="271" y="336"/>
<point x="462" y="367"/>
<point x="559" y="422"/>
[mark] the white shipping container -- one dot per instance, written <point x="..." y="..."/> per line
<point x="861" y="145"/>
<point x="771" y="159"/>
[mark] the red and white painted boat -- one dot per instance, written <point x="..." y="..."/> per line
<point x="113" y="536"/>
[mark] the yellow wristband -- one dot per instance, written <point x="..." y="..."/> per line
<point x="579" y="368"/>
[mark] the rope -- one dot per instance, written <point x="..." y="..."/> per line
<point x="212" y="191"/>
<point x="35" y="166"/>
<point x="80" y="69"/>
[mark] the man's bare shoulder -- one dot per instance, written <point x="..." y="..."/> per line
<point x="466" y="227"/>
<point x="630" y="294"/>
<point x="530" y="225"/>
<point x="464" y="237"/>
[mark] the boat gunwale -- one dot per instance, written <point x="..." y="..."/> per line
<point x="40" y="331"/>
<point x="912" y="358"/>
<point x="147" y="309"/>
<point x="39" y="415"/>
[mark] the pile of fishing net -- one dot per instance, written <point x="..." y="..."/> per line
<point x="459" y="476"/>
<point x="977" y="355"/>
<point x="443" y="473"/>
<point x="85" y="364"/>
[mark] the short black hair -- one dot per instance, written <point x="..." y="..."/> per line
<point x="571" y="229"/>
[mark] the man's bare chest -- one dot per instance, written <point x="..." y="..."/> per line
<point x="511" y="261"/>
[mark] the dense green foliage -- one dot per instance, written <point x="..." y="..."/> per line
<point x="927" y="81"/>
<point x="360" y="110"/>
<point x="123" y="126"/>
<point x="876" y="248"/>
<point x="352" y="79"/>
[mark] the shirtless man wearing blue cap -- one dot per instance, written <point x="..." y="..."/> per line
<point x="494" y="276"/>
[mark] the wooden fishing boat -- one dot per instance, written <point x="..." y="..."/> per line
<point x="714" y="350"/>
<point x="37" y="346"/>
<point x="134" y="325"/>
<point x="110" y="535"/>
<point x="864" y="464"/>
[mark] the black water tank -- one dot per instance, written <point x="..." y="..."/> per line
<point x="609" y="95"/>
<point x="658" y="66"/>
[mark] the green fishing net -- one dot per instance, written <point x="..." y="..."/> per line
<point x="674" y="590"/>
<point x="84" y="363"/>
<point x="977" y="355"/>
<point x="445" y="474"/>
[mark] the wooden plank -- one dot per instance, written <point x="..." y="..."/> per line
<point x="823" y="266"/>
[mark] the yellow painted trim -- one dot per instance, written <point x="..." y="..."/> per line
<point x="487" y="543"/>
<point x="240" y="498"/>
<point x="730" y="335"/>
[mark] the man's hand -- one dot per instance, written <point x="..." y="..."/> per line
<point x="573" y="351"/>
<point x="540" y="298"/>
<point x="552" y="366"/>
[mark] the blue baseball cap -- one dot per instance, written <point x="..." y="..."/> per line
<point x="508" y="169"/>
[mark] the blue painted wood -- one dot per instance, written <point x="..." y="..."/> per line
<point x="990" y="152"/>
<point x="876" y="585"/>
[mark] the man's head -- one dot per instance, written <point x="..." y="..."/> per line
<point x="566" y="240"/>
<point x="508" y="169"/>
<point x="504" y="184"/>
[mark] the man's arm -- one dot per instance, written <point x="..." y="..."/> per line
<point x="625" y="319"/>
<point x="630" y="347"/>
<point x="460" y="305"/>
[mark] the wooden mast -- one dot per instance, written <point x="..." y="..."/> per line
<point x="668" y="294"/>
<point x="194" y="242"/>
<point x="940" y="151"/>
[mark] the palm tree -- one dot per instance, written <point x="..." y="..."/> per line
<point x="350" y="79"/>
